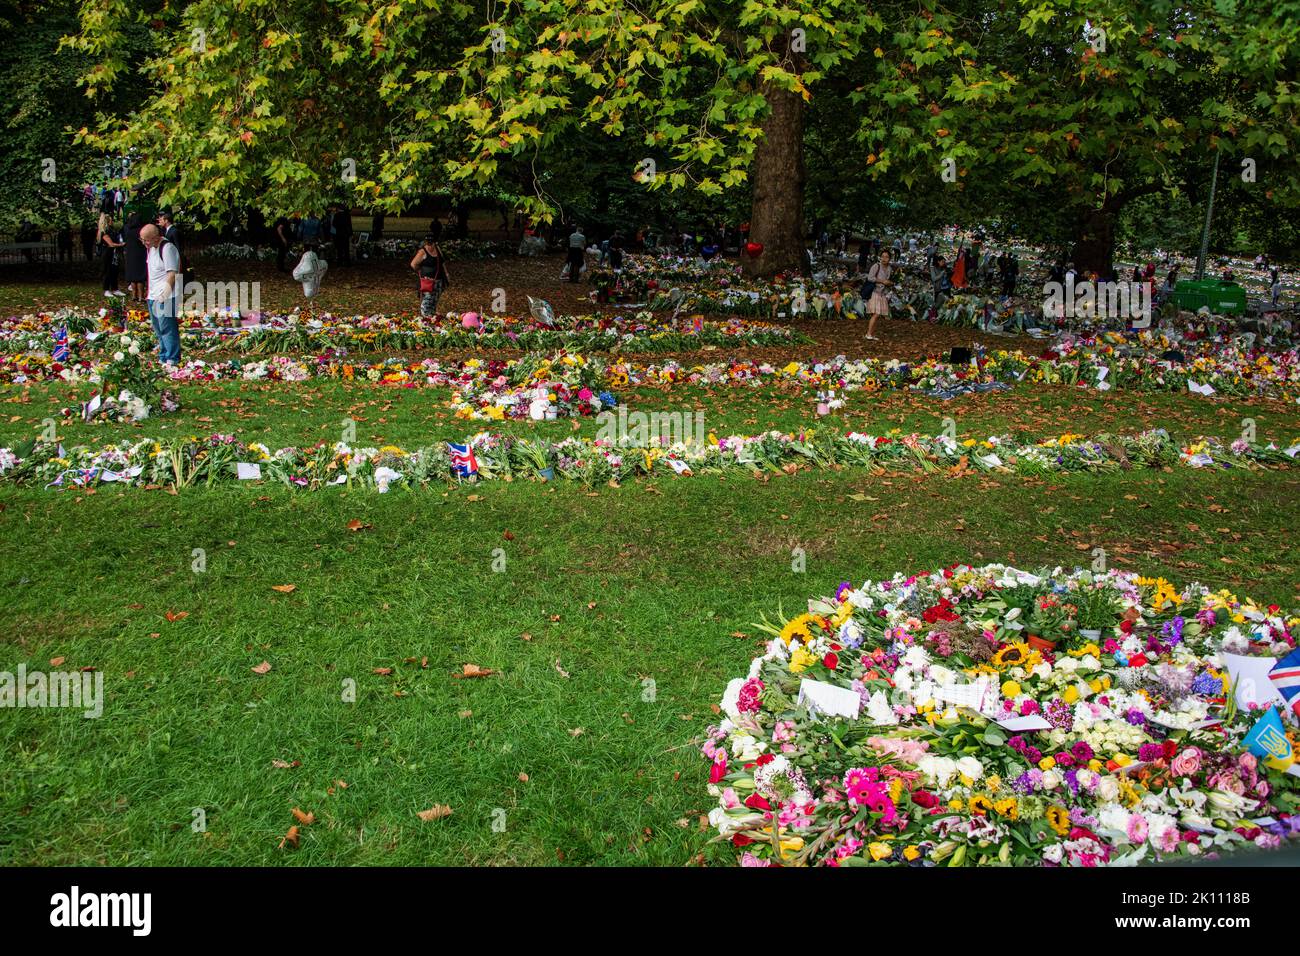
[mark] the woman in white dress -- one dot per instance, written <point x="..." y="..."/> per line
<point x="878" y="304"/>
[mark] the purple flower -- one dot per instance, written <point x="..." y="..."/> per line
<point x="1206" y="685"/>
<point x="1149" y="752"/>
<point x="1173" y="630"/>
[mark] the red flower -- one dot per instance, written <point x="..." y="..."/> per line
<point x="1126" y="626"/>
<point x="1137" y="660"/>
<point x="923" y="798"/>
<point x="764" y="759"/>
<point x="756" y="802"/>
<point x="741" y="839"/>
<point x="831" y="661"/>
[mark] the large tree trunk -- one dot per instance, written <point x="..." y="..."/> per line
<point x="1094" y="241"/>
<point x="777" y="217"/>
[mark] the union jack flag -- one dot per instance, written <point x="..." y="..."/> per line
<point x="1285" y="676"/>
<point x="463" y="462"/>
<point x="61" y="344"/>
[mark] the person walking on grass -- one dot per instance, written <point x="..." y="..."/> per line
<point x="577" y="253"/>
<point x="164" y="268"/>
<point x="878" y="303"/>
<point x="430" y="267"/>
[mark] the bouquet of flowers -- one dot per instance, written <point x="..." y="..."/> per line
<point x="908" y="722"/>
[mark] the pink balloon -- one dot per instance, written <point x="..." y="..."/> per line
<point x="470" y="320"/>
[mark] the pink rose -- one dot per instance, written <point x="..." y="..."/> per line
<point x="1187" y="762"/>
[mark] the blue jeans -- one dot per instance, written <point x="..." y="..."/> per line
<point x="162" y="316"/>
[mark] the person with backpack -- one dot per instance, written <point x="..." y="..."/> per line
<point x="164" y="269"/>
<point x="430" y="267"/>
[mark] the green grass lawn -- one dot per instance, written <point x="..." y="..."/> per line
<point x="612" y="587"/>
<point x="283" y="414"/>
<point x="611" y="617"/>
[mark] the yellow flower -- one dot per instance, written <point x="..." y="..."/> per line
<point x="1013" y="655"/>
<point x="801" y="660"/>
<point x="880" y="851"/>
<point x="843" y="614"/>
<point x="800" y="627"/>
<point x="1047" y="763"/>
<point x="1070" y="694"/>
<point x="911" y="853"/>
<point x="1010" y="689"/>
<point x="1059" y="820"/>
<point x="993" y="782"/>
<point x="1007" y="808"/>
<point x="980" y="804"/>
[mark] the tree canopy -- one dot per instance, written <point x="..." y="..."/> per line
<point x="1067" y="108"/>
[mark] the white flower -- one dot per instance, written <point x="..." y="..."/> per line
<point x="938" y="770"/>
<point x="970" y="767"/>
<point x="1230" y="802"/>
<point x="727" y="823"/>
<point x="731" y="697"/>
<point x="1114" y="818"/>
<point x="1108" y="789"/>
<point x="1051" y="780"/>
<point x="118" y="356"/>
<point x="879" y="711"/>
<point x="1054" y="853"/>
<point x="747" y="748"/>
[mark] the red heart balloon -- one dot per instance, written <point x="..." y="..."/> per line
<point x="755" y="249"/>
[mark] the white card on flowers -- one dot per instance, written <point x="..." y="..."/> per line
<point x="829" y="700"/>
<point x="1250" y="682"/>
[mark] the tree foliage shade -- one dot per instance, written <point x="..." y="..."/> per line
<point x="1067" y="107"/>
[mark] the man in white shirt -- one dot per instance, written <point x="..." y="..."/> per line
<point x="164" y="264"/>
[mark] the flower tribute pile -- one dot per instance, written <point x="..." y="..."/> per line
<point x="188" y="461"/>
<point x="23" y="340"/>
<point x="991" y="716"/>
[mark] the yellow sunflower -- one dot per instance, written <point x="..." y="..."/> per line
<point x="1013" y="655"/>
<point x="801" y="627"/>
<point x="1059" y="820"/>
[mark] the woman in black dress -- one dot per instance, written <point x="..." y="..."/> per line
<point x="110" y="248"/>
<point x="137" y="272"/>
